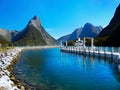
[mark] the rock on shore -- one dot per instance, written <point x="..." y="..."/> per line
<point x="5" y="60"/>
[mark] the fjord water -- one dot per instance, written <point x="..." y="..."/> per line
<point x="50" y="69"/>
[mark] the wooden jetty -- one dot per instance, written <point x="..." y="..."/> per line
<point x="92" y="51"/>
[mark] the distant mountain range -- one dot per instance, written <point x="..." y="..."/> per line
<point x="32" y="34"/>
<point x="109" y="36"/>
<point x="111" y="33"/>
<point x="88" y="30"/>
<point x="35" y="34"/>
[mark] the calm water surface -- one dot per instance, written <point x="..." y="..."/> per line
<point x="50" y="69"/>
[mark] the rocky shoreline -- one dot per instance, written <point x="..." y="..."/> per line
<point x="8" y="80"/>
<point x="7" y="60"/>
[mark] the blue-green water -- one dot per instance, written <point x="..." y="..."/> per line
<point x="50" y="69"/>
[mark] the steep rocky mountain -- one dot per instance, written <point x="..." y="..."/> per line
<point x="87" y="31"/>
<point x="90" y="31"/>
<point x="34" y="34"/>
<point x="111" y="33"/>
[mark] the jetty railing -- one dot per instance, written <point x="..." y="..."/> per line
<point x="100" y="52"/>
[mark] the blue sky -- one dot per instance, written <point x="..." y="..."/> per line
<point x="58" y="17"/>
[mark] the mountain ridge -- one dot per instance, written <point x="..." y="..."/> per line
<point x="111" y="32"/>
<point x="81" y="32"/>
<point x="89" y="30"/>
<point x="33" y="34"/>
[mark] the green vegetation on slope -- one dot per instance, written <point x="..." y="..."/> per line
<point x="31" y="37"/>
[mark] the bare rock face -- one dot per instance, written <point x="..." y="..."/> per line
<point x="35" y="22"/>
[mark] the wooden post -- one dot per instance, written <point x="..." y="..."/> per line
<point x="69" y="49"/>
<point x="73" y="50"/>
<point x="66" y="44"/>
<point x="93" y="51"/>
<point x="112" y="51"/>
<point x="119" y="50"/>
<point x="84" y="43"/>
<point x="92" y="44"/>
<point x="105" y="51"/>
<point x="60" y="43"/>
<point x="86" y="50"/>
<point x="80" y="51"/>
<point x="89" y="51"/>
<point x="77" y="50"/>
<point x="98" y="51"/>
